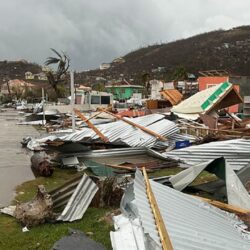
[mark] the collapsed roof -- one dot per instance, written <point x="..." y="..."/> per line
<point x="191" y="223"/>
<point x="236" y="152"/>
<point x="212" y="99"/>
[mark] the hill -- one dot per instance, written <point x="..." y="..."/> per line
<point x="222" y="49"/>
<point x="16" y="69"/>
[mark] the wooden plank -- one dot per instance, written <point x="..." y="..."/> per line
<point x="224" y="206"/>
<point x="165" y="240"/>
<point x="146" y="130"/>
<point x="95" y="115"/>
<point x="90" y="125"/>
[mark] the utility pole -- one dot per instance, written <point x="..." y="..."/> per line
<point x="43" y="106"/>
<point x="72" y="99"/>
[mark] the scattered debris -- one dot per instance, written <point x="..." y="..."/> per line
<point x="10" y="210"/>
<point x="79" y="200"/>
<point x="236" y="152"/>
<point x="25" y="229"/>
<point x="175" y="208"/>
<point x="41" y="165"/>
<point x="207" y="101"/>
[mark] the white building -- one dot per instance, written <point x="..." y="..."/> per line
<point x="105" y="66"/>
<point x="156" y="88"/>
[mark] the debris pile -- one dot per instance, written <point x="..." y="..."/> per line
<point x="198" y="137"/>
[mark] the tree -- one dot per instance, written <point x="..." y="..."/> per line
<point x="180" y="73"/>
<point x="57" y="77"/>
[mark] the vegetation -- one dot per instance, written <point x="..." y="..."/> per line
<point x="180" y="74"/>
<point x="44" y="236"/>
<point x="98" y="87"/>
<point x="58" y="77"/>
<point x="16" y="70"/>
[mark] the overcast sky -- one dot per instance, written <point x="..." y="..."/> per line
<point x="96" y="31"/>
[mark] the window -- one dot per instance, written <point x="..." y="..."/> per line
<point x="210" y="85"/>
<point x="105" y="99"/>
<point x="95" y="99"/>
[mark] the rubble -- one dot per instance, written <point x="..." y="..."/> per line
<point x="205" y="226"/>
<point x="208" y="101"/>
<point x="198" y="135"/>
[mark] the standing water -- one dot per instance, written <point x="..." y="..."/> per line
<point x="14" y="160"/>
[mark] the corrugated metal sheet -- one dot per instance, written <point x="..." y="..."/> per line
<point x="121" y="132"/>
<point x="172" y="95"/>
<point x="79" y="200"/>
<point x="62" y="194"/>
<point x="236" y="152"/>
<point x="110" y="152"/>
<point x="191" y="223"/>
<point x="128" y="234"/>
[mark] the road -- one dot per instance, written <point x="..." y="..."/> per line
<point x="14" y="160"/>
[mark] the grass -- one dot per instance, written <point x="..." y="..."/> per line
<point x="44" y="236"/>
<point x="165" y="172"/>
<point x="28" y="189"/>
<point x="203" y="177"/>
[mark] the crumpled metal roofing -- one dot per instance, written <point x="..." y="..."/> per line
<point x="79" y="200"/>
<point x="236" y="152"/>
<point x="128" y="234"/>
<point x="191" y="223"/>
<point x="111" y="152"/>
<point x="120" y="131"/>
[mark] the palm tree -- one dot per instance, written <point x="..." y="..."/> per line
<point x="55" y="78"/>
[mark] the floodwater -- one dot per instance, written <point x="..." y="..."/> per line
<point x="14" y="160"/>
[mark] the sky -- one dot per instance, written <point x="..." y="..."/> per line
<point x="95" y="31"/>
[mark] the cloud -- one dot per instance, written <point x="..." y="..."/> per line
<point x="92" y="32"/>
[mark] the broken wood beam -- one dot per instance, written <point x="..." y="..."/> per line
<point x="224" y="206"/>
<point x="95" y="115"/>
<point x="146" y="130"/>
<point x="91" y="125"/>
<point x="164" y="237"/>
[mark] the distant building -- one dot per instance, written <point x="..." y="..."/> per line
<point x="46" y="69"/>
<point x="40" y="76"/>
<point x="186" y="88"/>
<point x="123" y="90"/>
<point x="119" y="60"/>
<point x="159" y="70"/>
<point x="90" y="97"/>
<point x="16" y="86"/>
<point x="104" y="66"/>
<point x="156" y="88"/>
<point x="29" y="76"/>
